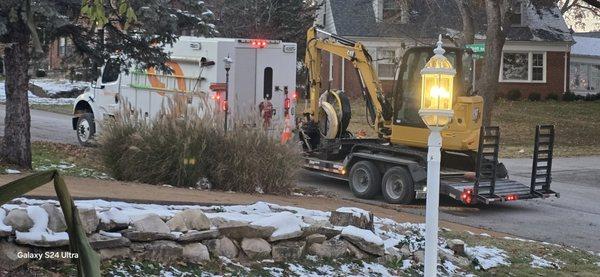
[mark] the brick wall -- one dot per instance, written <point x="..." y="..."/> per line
<point x="555" y="78"/>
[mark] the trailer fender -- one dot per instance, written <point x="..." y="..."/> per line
<point x="417" y="172"/>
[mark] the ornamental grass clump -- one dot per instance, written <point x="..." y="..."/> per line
<point x="186" y="147"/>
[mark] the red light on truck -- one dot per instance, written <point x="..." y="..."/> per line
<point x="287" y="103"/>
<point x="258" y="43"/>
<point x="466" y="196"/>
<point x="512" y="197"/>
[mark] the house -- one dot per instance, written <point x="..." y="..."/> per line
<point x="535" y="57"/>
<point x="585" y="64"/>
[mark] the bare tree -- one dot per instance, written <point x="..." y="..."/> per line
<point x="498" y="20"/>
<point x="580" y="10"/>
<point x="466" y="14"/>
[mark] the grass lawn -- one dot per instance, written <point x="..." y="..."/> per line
<point x="577" y="125"/>
<point x="57" y="108"/>
<point x="73" y="160"/>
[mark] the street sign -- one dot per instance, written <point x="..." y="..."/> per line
<point x="218" y="86"/>
<point x="478" y="48"/>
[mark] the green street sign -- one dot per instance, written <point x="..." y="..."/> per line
<point x="478" y="48"/>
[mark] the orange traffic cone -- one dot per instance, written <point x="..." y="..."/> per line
<point x="287" y="131"/>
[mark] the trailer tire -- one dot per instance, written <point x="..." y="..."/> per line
<point x="397" y="186"/>
<point x="86" y="129"/>
<point x="365" y="179"/>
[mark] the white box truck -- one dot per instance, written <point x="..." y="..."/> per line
<point x="260" y="69"/>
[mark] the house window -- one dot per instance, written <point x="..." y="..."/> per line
<point x="62" y="47"/>
<point x="585" y="77"/>
<point x="523" y="67"/>
<point x="516" y="17"/>
<point x="386" y="66"/>
<point x="391" y="10"/>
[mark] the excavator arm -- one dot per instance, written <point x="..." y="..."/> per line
<point x="355" y="52"/>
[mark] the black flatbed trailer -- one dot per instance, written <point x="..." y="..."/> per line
<point x="484" y="180"/>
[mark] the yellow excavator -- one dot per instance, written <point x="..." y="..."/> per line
<point x="394" y="163"/>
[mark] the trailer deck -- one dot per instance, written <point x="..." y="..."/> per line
<point x="485" y="186"/>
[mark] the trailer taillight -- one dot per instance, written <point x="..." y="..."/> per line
<point x="224" y="105"/>
<point x="287" y="103"/>
<point x="467" y="196"/>
<point x="512" y="197"/>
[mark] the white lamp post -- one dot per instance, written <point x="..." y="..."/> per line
<point x="436" y="111"/>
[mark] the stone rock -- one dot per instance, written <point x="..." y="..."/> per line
<point x="8" y="256"/>
<point x="288" y="250"/>
<point x="333" y="248"/>
<point x="19" y="220"/>
<point x="190" y="219"/>
<point x="256" y="248"/>
<point x="239" y="230"/>
<point x="356" y="252"/>
<point x="352" y="216"/>
<point x="196" y="253"/>
<point x="405" y="251"/>
<point x="56" y="219"/>
<point x="364" y="239"/>
<point x="111" y="253"/>
<point x="394" y="252"/>
<point x="138" y="236"/>
<point x="196" y="236"/>
<point x="458" y="246"/>
<point x="98" y="241"/>
<point x="117" y="221"/>
<point x="326" y="230"/>
<point x="315" y="238"/>
<point x="163" y="251"/>
<point x="446" y="255"/>
<point x="89" y="219"/>
<point x="419" y="257"/>
<point x="151" y="224"/>
<point x="222" y="247"/>
<point x="45" y="240"/>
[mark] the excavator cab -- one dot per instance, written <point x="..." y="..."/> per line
<point x="408" y="127"/>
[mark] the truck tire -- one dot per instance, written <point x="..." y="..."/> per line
<point x="86" y="129"/>
<point x="397" y="186"/>
<point x="365" y="179"/>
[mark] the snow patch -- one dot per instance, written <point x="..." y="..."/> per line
<point x="285" y="224"/>
<point x="487" y="257"/>
<point x="110" y="234"/>
<point x="539" y="262"/>
<point x="366" y="235"/>
<point x="4" y="227"/>
<point x="12" y="171"/>
<point x="356" y="212"/>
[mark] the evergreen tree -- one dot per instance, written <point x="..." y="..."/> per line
<point x="132" y="30"/>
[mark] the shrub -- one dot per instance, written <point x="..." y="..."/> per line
<point x="534" y="96"/>
<point x="552" y="96"/>
<point x="513" y="95"/>
<point x="183" y="150"/>
<point x="570" y="96"/>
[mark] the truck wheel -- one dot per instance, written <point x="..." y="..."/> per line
<point x="397" y="186"/>
<point x="365" y="179"/>
<point x="86" y="129"/>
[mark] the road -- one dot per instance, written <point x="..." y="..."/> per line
<point x="573" y="219"/>
<point x="47" y="126"/>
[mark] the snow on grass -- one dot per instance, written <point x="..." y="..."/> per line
<point x="33" y="99"/>
<point x="54" y="86"/>
<point x="487" y="257"/>
<point x="539" y="262"/>
<point x="12" y="171"/>
<point x="366" y="235"/>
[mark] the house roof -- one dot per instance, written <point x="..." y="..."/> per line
<point x="586" y="46"/>
<point x="588" y="34"/>
<point x="357" y="18"/>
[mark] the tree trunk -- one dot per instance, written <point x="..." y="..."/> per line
<point x="466" y="14"/>
<point x="493" y="53"/>
<point x="17" y="144"/>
